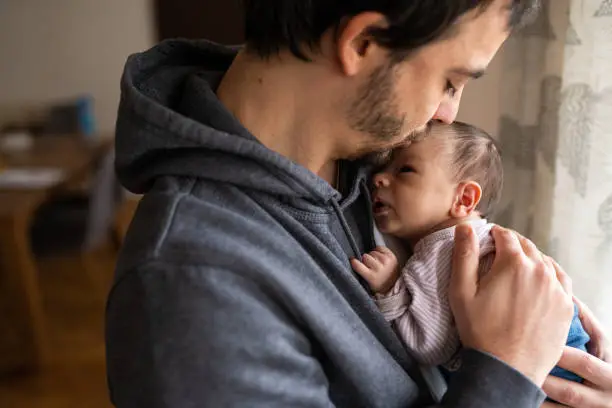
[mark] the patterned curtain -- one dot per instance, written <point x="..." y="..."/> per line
<point x="556" y="137"/>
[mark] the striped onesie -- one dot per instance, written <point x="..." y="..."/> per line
<point x="418" y="304"/>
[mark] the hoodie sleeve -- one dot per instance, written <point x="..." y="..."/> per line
<point x="186" y="337"/>
<point x="483" y="381"/>
<point x="192" y="336"/>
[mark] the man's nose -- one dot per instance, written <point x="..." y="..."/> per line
<point x="447" y="111"/>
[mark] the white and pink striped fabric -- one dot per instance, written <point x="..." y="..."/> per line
<point x="418" y="305"/>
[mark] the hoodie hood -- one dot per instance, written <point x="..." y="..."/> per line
<point x="171" y="123"/>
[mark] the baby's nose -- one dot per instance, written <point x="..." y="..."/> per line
<point x="381" y="180"/>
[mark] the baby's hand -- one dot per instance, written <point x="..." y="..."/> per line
<point x="378" y="268"/>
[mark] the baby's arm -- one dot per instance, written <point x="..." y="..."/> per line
<point x="417" y="303"/>
<point x="427" y="325"/>
<point x="420" y="314"/>
<point x="379" y="268"/>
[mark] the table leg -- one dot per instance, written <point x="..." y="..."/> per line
<point x="23" y="341"/>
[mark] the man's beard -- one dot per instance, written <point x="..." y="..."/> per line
<point x="374" y="110"/>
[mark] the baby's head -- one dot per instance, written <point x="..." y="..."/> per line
<point x="453" y="173"/>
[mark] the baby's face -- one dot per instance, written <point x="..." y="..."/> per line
<point x="414" y="194"/>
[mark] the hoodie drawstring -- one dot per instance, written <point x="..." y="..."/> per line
<point x="346" y="229"/>
<point x="370" y="212"/>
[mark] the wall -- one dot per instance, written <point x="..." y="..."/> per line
<point x="57" y="49"/>
<point x="480" y="104"/>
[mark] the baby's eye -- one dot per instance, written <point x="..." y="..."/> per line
<point x="406" y="169"/>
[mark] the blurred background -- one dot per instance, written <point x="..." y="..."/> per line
<point x="546" y="98"/>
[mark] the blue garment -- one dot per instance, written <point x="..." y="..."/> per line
<point x="577" y="338"/>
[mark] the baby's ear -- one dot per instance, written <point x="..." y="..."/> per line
<point x="467" y="198"/>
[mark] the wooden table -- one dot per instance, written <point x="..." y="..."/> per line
<point x="22" y="324"/>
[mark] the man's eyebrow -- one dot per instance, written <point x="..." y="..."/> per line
<point x="470" y="73"/>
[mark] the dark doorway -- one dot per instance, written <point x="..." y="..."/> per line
<point x="216" y="20"/>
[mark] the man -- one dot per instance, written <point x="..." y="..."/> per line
<point x="234" y="287"/>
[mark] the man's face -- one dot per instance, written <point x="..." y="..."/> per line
<point x="395" y="101"/>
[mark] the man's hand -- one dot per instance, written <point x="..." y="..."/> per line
<point x="596" y="392"/>
<point x="519" y="312"/>
<point x="599" y="346"/>
<point x="379" y="268"/>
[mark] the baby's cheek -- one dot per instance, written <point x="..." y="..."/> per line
<point x="409" y="218"/>
<point x="388" y="224"/>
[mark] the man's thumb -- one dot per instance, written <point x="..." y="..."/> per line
<point x="464" y="278"/>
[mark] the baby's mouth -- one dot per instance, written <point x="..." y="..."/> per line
<point x="379" y="206"/>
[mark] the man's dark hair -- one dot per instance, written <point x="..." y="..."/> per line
<point x="274" y="25"/>
<point x="475" y="156"/>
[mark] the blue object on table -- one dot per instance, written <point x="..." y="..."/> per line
<point x="86" y="117"/>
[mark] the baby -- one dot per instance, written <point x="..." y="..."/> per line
<point x="452" y="175"/>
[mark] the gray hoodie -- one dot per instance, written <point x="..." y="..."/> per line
<point x="234" y="287"/>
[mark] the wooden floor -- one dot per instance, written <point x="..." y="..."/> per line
<point x="74" y="302"/>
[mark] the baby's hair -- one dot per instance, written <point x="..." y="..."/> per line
<point x="476" y="157"/>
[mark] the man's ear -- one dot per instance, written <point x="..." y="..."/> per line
<point x="354" y="42"/>
<point x="467" y="198"/>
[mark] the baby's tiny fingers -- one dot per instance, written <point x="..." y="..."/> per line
<point x="361" y="269"/>
<point x="384" y="250"/>
<point x="387" y="255"/>
<point x="371" y="262"/>
<point x="379" y="256"/>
